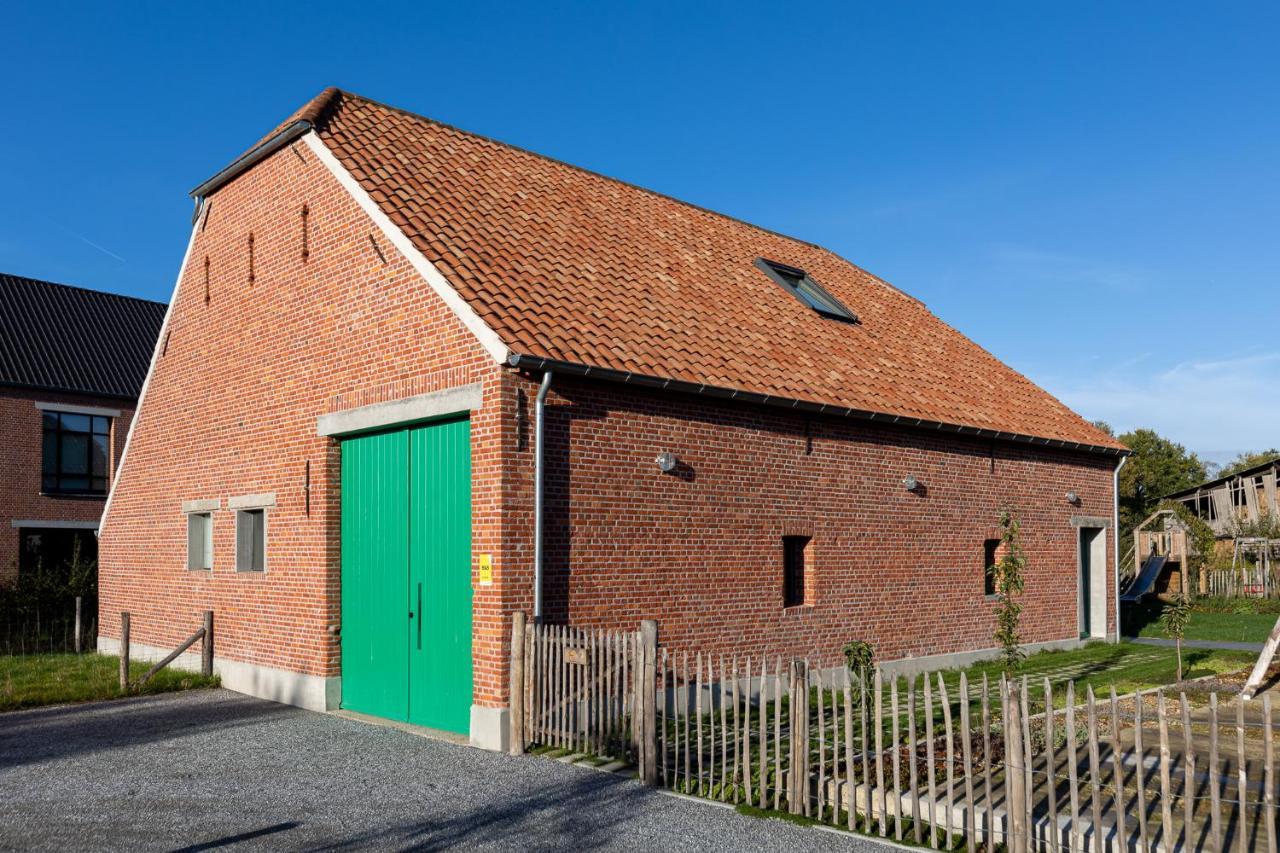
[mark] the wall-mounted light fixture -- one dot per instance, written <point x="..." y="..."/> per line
<point x="911" y="483"/>
<point x="1073" y="498"/>
<point x="666" y="462"/>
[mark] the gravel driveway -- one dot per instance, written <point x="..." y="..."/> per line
<point x="211" y="770"/>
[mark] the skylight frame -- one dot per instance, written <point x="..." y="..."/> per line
<point x="807" y="292"/>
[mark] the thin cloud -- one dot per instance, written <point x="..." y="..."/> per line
<point x="1216" y="406"/>
<point x="1037" y="265"/>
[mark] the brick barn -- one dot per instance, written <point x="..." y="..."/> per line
<point x="71" y="364"/>
<point x="743" y="435"/>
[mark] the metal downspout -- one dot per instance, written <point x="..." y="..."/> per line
<point x="1115" y="545"/>
<point x="538" y="453"/>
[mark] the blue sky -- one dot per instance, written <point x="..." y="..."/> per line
<point x="1091" y="191"/>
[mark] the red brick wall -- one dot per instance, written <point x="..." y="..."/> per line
<point x="246" y="371"/>
<point x="21" y="457"/>
<point x="232" y="409"/>
<point x="700" y="549"/>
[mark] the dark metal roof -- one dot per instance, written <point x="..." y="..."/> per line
<point x="62" y="338"/>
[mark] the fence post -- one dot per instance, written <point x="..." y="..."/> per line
<point x="78" y="601"/>
<point x="648" y="707"/>
<point x="124" y="651"/>
<point x="798" y="748"/>
<point x="517" y="683"/>
<point x="1015" y="777"/>
<point x="206" y="646"/>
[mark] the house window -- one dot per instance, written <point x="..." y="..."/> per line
<point x="795" y="551"/>
<point x="76" y="453"/>
<point x="199" y="541"/>
<point x="251" y="540"/>
<point x="801" y="285"/>
<point x="990" y="556"/>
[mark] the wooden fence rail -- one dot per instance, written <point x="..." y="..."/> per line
<point x="934" y="759"/>
<point x="203" y="634"/>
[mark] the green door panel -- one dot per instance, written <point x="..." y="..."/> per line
<point x="440" y="573"/>
<point x="375" y="562"/>
<point x="406" y="574"/>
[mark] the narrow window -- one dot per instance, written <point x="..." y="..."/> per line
<point x="199" y="541"/>
<point x="990" y="556"/>
<point x="251" y="540"/>
<point x="801" y="285"/>
<point x="76" y="449"/>
<point x="794" y="552"/>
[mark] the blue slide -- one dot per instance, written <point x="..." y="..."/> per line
<point x="1146" y="578"/>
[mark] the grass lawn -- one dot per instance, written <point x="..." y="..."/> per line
<point x="1125" y="666"/>
<point x="1208" y="622"/>
<point x="28" y="681"/>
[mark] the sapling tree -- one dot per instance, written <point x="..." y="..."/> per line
<point x="1174" y="621"/>
<point x="1009" y="583"/>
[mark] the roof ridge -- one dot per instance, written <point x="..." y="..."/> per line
<point x="80" y="288"/>
<point x="332" y="102"/>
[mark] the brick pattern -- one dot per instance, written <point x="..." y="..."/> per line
<point x="21" y="460"/>
<point x="232" y="410"/>
<point x="700" y="549"/>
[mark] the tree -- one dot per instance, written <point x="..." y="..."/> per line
<point x="1174" y="622"/>
<point x="1245" y="461"/>
<point x="1009" y="585"/>
<point x="1159" y="467"/>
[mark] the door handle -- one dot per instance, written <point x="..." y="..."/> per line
<point x="419" y="614"/>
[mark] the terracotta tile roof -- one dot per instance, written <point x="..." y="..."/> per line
<point x="569" y="265"/>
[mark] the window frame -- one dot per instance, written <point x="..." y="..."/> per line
<point x="206" y="514"/>
<point x="58" y="430"/>
<point x="245" y="511"/>
<point x="834" y="308"/>
<point x="790" y="574"/>
<point x="990" y="559"/>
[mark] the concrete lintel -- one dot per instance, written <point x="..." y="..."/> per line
<point x="72" y="409"/>
<point x="1090" y="521"/>
<point x="450" y="401"/>
<point x="204" y="505"/>
<point x="54" y="525"/>
<point x="490" y="728"/>
<point x="252" y="501"/>
<point x="313" y="692"/>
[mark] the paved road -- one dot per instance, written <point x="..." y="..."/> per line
<point x="214" y="770"/>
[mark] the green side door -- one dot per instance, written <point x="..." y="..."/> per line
<point x="406" y="574"/>
<point x="375" y="566"/>
<point x="440" y="575"/>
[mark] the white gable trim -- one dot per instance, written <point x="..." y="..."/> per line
<point x="146" y="383"/>
<point x="486" y="336"/>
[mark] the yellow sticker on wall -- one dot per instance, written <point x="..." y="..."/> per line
<point x="486" y="570"/>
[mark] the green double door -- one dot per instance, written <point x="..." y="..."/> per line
<point x="406" y="575"/>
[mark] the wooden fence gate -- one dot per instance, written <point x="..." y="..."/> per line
<point x="576" y="689"/>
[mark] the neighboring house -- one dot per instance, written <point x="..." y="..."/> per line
<point x="747" y="437"/>
<point x="72" y="362"/>
<point x="1235" y="503"/>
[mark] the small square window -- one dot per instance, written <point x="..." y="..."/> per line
<point x="199" y="541"/>
<point x="990" y="556"/>
<point x="795" y="550"/>
<point x="801" y="285"/>
<point x="251" y="540"/>
<point x="76" y="453"/>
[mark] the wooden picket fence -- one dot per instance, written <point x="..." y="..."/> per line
<point x="1243" y="582"/>
<point x="932" y="759"/>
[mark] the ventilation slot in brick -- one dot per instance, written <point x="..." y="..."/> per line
<point x="252" y="275"/>
<point x="306" y="233"/>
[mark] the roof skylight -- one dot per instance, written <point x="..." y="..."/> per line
<point x="802" y="286"/>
